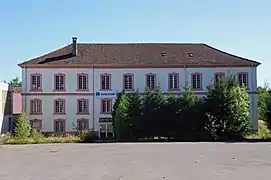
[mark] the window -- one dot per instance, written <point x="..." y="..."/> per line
<point x="243" y="79"/>
<point x="60" y="106"/>
<point x="59" y="125"/>
<point x="35" y="106"/>
<point x="60" y="82"/>
<point x="82" y="105"/>
<point x="105" y="81"/>
<point x="218" y="76"/>
<point x="106" y="105"/>
<point x="36" y="124"/>
<point x="173" y="81"/>
<point x="82" y="124"/>
<point x="36" y="84"/>
<point x="82" y="82"/>
<point x="196" y="80"/>
<point x="150" y="81"/>
<point x="128" y="81"/>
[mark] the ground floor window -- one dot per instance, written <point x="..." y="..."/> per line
<point x="59" y="125"/>
<point x="36" y="124"/>
<point x="82" y="124"/>
<point x="106" y="128"/>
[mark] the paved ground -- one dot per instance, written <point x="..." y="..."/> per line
<point x="168" y="161"/>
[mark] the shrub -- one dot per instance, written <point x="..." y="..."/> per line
<point x="87" y="136"/>
<point x="37" y="136"/>
<point x="22" y="127"/>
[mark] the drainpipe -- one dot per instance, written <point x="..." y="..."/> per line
<point x="25" y="89"/>
<point x="93" y="116"/>
<point x="185" y="74"/>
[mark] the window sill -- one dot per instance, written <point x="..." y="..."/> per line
<point x="129" y="90"/>
<point x="106" y="112"/>
<point x="172" y="90"/>
<point x="59" y="90"/>
<point x="82" y="90"/>
<point x="82" y="113"/>
<point x="200" y="89"/>
<point x="35" y="113"/>
<point x="59" y="113"/>
<point x="35" y="90"/>
<point x="105" y="89"/>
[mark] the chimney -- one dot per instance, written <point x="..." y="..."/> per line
<point x="74" y="46"/>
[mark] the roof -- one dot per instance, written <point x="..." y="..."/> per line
<point x="140" y="54"/>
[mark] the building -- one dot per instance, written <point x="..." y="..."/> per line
<point x="10" y="106"/>
<point x="76" y="86"/>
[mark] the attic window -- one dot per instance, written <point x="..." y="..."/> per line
<point x="163" y="54"/>
<point x="190" y="54"/>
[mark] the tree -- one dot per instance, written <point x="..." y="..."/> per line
<point x="121" y="125"/>
<point x="227" y="109"/>
<point x="159" y="116"/>
<point x="147" y="114"/>
<point x="22" y="127"/>
<point x="15" y="82"/>
<point x="264" y="97"/>
<point x="134" y="113"/>
<point x="115" y="106"/>
<point x="189" y="114"/>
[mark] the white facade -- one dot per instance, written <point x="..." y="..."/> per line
<point x="5" y="119"/>
<point x="71" y="94"/>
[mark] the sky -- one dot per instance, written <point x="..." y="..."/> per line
<point x="31" y="28"/>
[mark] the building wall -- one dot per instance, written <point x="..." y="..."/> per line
<point x="71" y="95"/>
<point x="5" y="107"/>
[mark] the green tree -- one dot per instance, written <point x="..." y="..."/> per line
<point x="134" y="113"/>
<point x="121" y="125"/>
<point x="147" y="114"/>
<point x="159" y="116"/>
<point x="189" y="116"/>
<point x="115" y="106"/>
<point x="22" y="127"/>
<point x="264" y="97"/>
<point x="227" y="109"/>
<point x="15" y="82"/>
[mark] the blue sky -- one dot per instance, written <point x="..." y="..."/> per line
<point x="31" y="28"/>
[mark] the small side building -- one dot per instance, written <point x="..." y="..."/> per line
<point x="10" y="106"/>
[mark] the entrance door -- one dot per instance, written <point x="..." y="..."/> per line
<point x="106" y="130"/>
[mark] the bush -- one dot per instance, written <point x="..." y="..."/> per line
<point x="22" y="127"/>
<point x="37" y="136"/>
<point x="87" y="136"/>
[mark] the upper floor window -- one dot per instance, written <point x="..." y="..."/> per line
<point x="106" y="105"/>
<point x="35" y="106"/>
<point x="150" y="81"/>
<point x="82" y="82"/>
<point x="59" y="125"/>
<point x="82" y="124"/>
<point x="60" y="82"/>
<point x="82" y="105"/>
<point x="243" y="78"/>
<point x="36" y="84"/>
<point x="105" y="81"/>
<point x="173" y="81"/>
<point x="59" y="106"/>
<point x="128" y="81"/>
<point x="218" y="76"/>
<point x="196" y="80"/>
<point x="36" y="124"/>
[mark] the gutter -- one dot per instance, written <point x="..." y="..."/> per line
<point x="93" y="97"/>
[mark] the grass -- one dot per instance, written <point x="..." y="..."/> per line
<point x="45" y="140"/>
<point x="263" y="132"/>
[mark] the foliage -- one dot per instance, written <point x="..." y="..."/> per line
<point x="22" y="127"/>
<point x="221" y="115"/>
<point x="134" y="113"/>
<point x="227" y="109"/>
<point x="87" y="136"/>
<point x="36" y="135"/>
<point x="121" y="125"/>
<point x="48" y="140"/>
<point x="263" y="132"/>
<point x="15" y="82"/>
<point x="264" y="97"/>
<point x="115" y="106"/>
